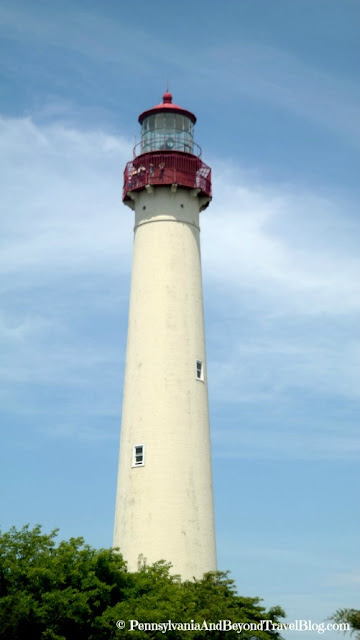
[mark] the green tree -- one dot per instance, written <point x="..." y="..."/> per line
<point x="349" y="616"/>
<point x="70" y="591"/>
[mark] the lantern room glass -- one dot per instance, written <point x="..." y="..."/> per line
<point x="167" y="132"/>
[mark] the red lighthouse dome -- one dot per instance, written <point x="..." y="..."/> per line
<point x="167" y="153"/>
<point x="167" y="106"/>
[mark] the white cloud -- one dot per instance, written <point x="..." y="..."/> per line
<point x="292" y="247"/>
<point x="62" y="198"/>
<point x="280" y="265"/>
<point x="62" y="195"/>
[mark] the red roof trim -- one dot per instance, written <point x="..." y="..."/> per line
<point x="167" y="106"/>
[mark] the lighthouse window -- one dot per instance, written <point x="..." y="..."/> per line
<point x="167" y="132"/>
<point x="199" y="370"/>
<point x="138" y="458"/>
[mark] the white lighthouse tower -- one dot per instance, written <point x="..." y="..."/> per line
<point x="164" y="506"/>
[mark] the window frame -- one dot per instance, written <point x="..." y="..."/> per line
<point x="134" y="463"/>
<point x="200" y="375"/>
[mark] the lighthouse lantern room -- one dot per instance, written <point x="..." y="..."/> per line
<point x="167" y="153"/>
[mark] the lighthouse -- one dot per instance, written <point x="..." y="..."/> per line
<point x="164" y="503"/>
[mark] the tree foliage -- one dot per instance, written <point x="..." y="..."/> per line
<point x="70" y="591"/>
<point x="351" y="616"/>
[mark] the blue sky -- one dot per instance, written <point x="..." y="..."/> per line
<point x="275" y="87"/>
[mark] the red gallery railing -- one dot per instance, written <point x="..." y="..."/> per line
<point x="167" y="168"/>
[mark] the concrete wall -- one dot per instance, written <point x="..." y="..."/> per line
<point x="164" y="509"/>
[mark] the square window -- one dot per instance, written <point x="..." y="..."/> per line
<point x="138" y="456"/>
